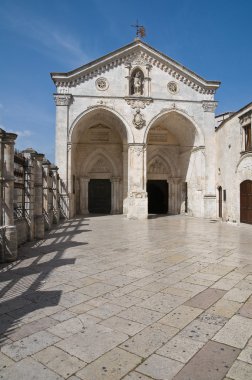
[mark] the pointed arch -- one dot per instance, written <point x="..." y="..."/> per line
<point x="93" y="159"/>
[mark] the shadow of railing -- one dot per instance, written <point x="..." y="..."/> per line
<point x="20" y="284"/>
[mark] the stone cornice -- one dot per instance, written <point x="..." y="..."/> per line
<point x="245" y="118"/>
<point x="135" y="54"/>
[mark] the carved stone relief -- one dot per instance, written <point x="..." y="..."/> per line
<point x="62" y="99"/>
<point x="172" y="87"/>
<point x="138" y="120"/>
<point x="101" y="84"/>
<point x="138" y="103"/>
<point x="100" y="166"/>
<point x="209" y="106"/>
<point x="157" y="167"/>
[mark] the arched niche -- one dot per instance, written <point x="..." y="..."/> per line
<point x="137" y="82"/>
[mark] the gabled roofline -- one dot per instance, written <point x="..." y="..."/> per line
<point x="233" y="115"/>
<point x="56" y="76"/>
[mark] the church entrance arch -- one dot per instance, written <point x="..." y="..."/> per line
<point x="99" y="163"/>
<point x="246" y="202"/>
<point x="174" y="160"/>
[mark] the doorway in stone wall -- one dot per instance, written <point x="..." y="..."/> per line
<point x="99" y="196"/>
<point x="220" y="201"/>
<point x="157" y="196"/>
<point x="246" y="202"/>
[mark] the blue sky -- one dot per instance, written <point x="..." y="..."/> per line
<point x="212" y="38"/>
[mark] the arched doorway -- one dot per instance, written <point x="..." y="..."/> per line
<point x="246" y="202"/>
<point x="99" y="163"/>
<point x="176" y="162"/>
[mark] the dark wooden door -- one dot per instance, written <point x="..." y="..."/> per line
<point x="220" y="201"/>
<point x="99" y="196"/>
<point x="246" y="202"/>
<point x="157" y="196"/>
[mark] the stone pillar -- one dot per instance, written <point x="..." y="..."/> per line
<point x="30" y="191"/>
<point x="137" y="195"/>
<point x="39" y="225"/>
<point x="84" y="181"/>
<point x="47" y="199"/>
<point x="210" y="160"/>
<point x="125" y="179"/>
<point x="10" y="232"/>
<point x="62" y="157"/>
<point x="115" y="196"/>
<point x="55" y="194"/>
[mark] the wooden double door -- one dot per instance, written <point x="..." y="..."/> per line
<point x="99" y="196"/>
<point x="246" y="202"/>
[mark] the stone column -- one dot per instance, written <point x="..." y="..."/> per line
<point x="84" y="181"/>
<point x="210" y="161"/>
<point x="55" y="194"/>
<point x="115" y="206"/>
<point x="137" y="195"/>
<point x="39" y="224"/>
<point x="30" y="191"/>
<point x="63" y="102"/>
<point x="10" y="232"/>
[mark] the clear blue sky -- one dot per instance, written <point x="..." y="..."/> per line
<point x="212" y="38"/>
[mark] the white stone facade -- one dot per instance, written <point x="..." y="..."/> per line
<point x="140" y="121"/>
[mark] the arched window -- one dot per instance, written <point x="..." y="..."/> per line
<point x="137" y="82"/>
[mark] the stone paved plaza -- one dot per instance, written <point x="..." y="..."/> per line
<point x="106" y="298"/>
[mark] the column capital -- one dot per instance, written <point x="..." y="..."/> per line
<point x="115" y="179"/>
<point x="62" y="99"/>
<point x="7" y="137"/>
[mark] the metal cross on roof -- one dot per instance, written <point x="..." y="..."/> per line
<point x="140" y="30"/>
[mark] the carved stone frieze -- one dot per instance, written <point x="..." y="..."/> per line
<point x="100" y="167"/>
<point x="157" y="167"/>
<point x="138" y="149"/>
<point x="138" y="103"/>
<point x="62" y="99"/>
<point x="138" y="194"/>
<point x="138" y="119"/>
<point x="209" y="106"/>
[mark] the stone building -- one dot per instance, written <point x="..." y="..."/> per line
<point x="135" y="134"/>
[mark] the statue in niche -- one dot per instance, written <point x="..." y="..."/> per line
<point x="137" y="82"/>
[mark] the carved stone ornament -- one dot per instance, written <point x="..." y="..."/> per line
<point x="100" y="167"/>
<point x="138" y="120"/>
<point x="138" y="59"/>
<point x="138" y="194"/>
<point x="138" y="103"/>
<point x="209" y="106"/>
<point x="172" y="87"/>
<point x="157" y="167"/>
<point x="101" y="84"/>
<point x="62" y="99"/>
<point x="245" y="118"/>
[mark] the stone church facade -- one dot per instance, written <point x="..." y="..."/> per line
<point x="135" y="134"/>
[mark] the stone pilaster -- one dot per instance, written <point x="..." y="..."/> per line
<point x="84" y="181"/>
<point x="115" y="196"/>
<point x="137" y="195"/>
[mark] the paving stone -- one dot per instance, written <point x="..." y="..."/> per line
<point x="159" y="367"/>
<point x="181" y="316"/>
<point x="246" y="309"/>
<point x="162" y="302"/>
<point x="178" y="292"/>
<point x="193" y="288"/>
<point x="28" y="369"/>
<point x="97" y="289"/>
<point x="62" y="316"/>
<point x="236" y="332"/>
<point x="31" y="328"/>
<point x="29" y="345"/>
<point x="150" y="339"/>
<point x="155" y="287"/>
<point x="206" y="298"/>
<point x="80" y="308"/>
<point x="105" y="311"/>
<point x="212" y="362"/>
<point x="224" y="308"/>
<point x="92" y="343"/>
<point x="72" y="298"/>
<point x="59" y="361"/>
<point x="180" y="348"/>
<point x="97" y="301"/>
<point x="141" y="293"/>
<point x="139" y="273"/>
<point x="225" y="283"/>
<point x="238" y="295"/>
<point x="124" y="325"/>
<point x="212" y="319"/>
<point x="246" y="355"/>
<point x="125" y="301"/>
<point x="8" y="306"/>
<point x="136" y="376"/>
<point x="218" y="269"/>
<point x="73" y="325"/>
<point x="240" y="371"/>
<point x="112" y="365"/>
<point x="141" y="315"/>
<point x="5" y="362"/>
<point x="199" y="331"/>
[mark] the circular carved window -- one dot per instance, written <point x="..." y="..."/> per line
<point x="101" y="84"/>
<point x="172" y="87"/>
